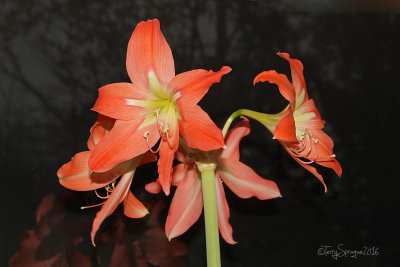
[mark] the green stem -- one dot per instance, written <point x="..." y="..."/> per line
<point x="268" y="120"/>
<point x="207" y="171"/>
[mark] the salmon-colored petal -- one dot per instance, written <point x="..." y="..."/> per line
<point x="180" y="172"/>
<point x="153" y="187"/>
<point x="199" y="131"/>
<point x="223" y="213"/>
<point x="149" y="51"/>
<point x="285" y="87"/>
<point x="133" y="208"/>
<point x="117" y="196"/>
<point x="193" y="85"/>
<point x="322" y="152"/>
<point x="233" y="139"/>
<point x="99" y="129"/>
<point x="285" y="130"/>
<point x="125" y="141"/>
<point x="303" y="111"/>
<point x="180" y="154"/>
<point x="167" y="152"/>
<point x="112" y="101"/>
<point x="245" y="182"/>
<point x="178" y="175"/>
<point x="76" y="175"/>
<point x="186" y="206"/>
<point x="309" y="168"/>
<point x="296" y="68"/>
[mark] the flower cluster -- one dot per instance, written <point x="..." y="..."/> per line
<point x="160" y="109"/>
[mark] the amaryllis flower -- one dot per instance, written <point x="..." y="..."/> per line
<point x="155" y="105"/>
<point x="299" y="126"/>
<point x="187" y="202"/>
<point x="76" y="175"/>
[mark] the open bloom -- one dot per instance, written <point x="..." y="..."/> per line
<point x="187" y="203"/>
<point x="299" y="126"/>
<point x="155" y="105"/>
<point x="77" y="176"/>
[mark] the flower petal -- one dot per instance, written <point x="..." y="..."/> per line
<point x="315" y="122"/>
<point x="166" y="159"/>
<point x="233" y="139"/>
<point x="322" y="152"/>
<point x="285" y="87"/>
<point x="149" y="51"/>
<point x="312" y="170"/>
<point x="193" y="85"/>
<point x="223" y="213"/>
<point x="112" y="101"/>
<point x="296" y="68"/>
<point x="133" y="208"/>
<point x="285" y="130"/>
<point x="244" y="182"/>
<point x="153" y="187"/>
<point x="178" y="175"/>
<point x="117" y="196"/>
<point x="125" y="141"/>
<point x="199" y="131"/>
<point x="99" y="130"/>
<point x="186" y="206"/>
<point x="76" y="175"/>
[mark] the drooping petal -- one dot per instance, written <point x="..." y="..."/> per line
<point x="149" y="51"/>
<point x="117" y="196"/>
<point x="199" y="131"/>
<point x="178" y="175"/>
<point x="167" y="152"/>
<point x="233" y="139"/>
<point x="186" y="206"/>
<point x="193" y="85"/>
<point x="76" y="175"/>
<point x="244" y="182"/>
<point x="285" y="87"/>
<point x="133" y="208"/>
<point x="223" y="213"/>
<point x="296" y="68"/>
<point x="125" y="141"/>
<point x="112" y="101"/>
<point x="285" y="130"/>
<point x="310" y="169"/>
<point x="99" y="129"/>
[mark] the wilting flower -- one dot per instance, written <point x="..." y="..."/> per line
<point x="155" y="105"/>
<point x="187" y="202"/>
<point x="299" y="126"/>
<point x="76" y="175"/>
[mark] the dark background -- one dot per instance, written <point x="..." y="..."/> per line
<point x="55" y="55"/>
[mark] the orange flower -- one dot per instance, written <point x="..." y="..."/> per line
<point x="77" y="176"/>
<point x="187" y="203"/>
<point x="299" y="126"/>
<point x="156" y="104"/>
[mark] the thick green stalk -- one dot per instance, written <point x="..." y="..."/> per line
<point x="207" y="171"/>
<point x="268" y="120"/>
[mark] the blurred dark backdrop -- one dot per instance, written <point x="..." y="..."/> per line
<point x="55" y="55"/>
